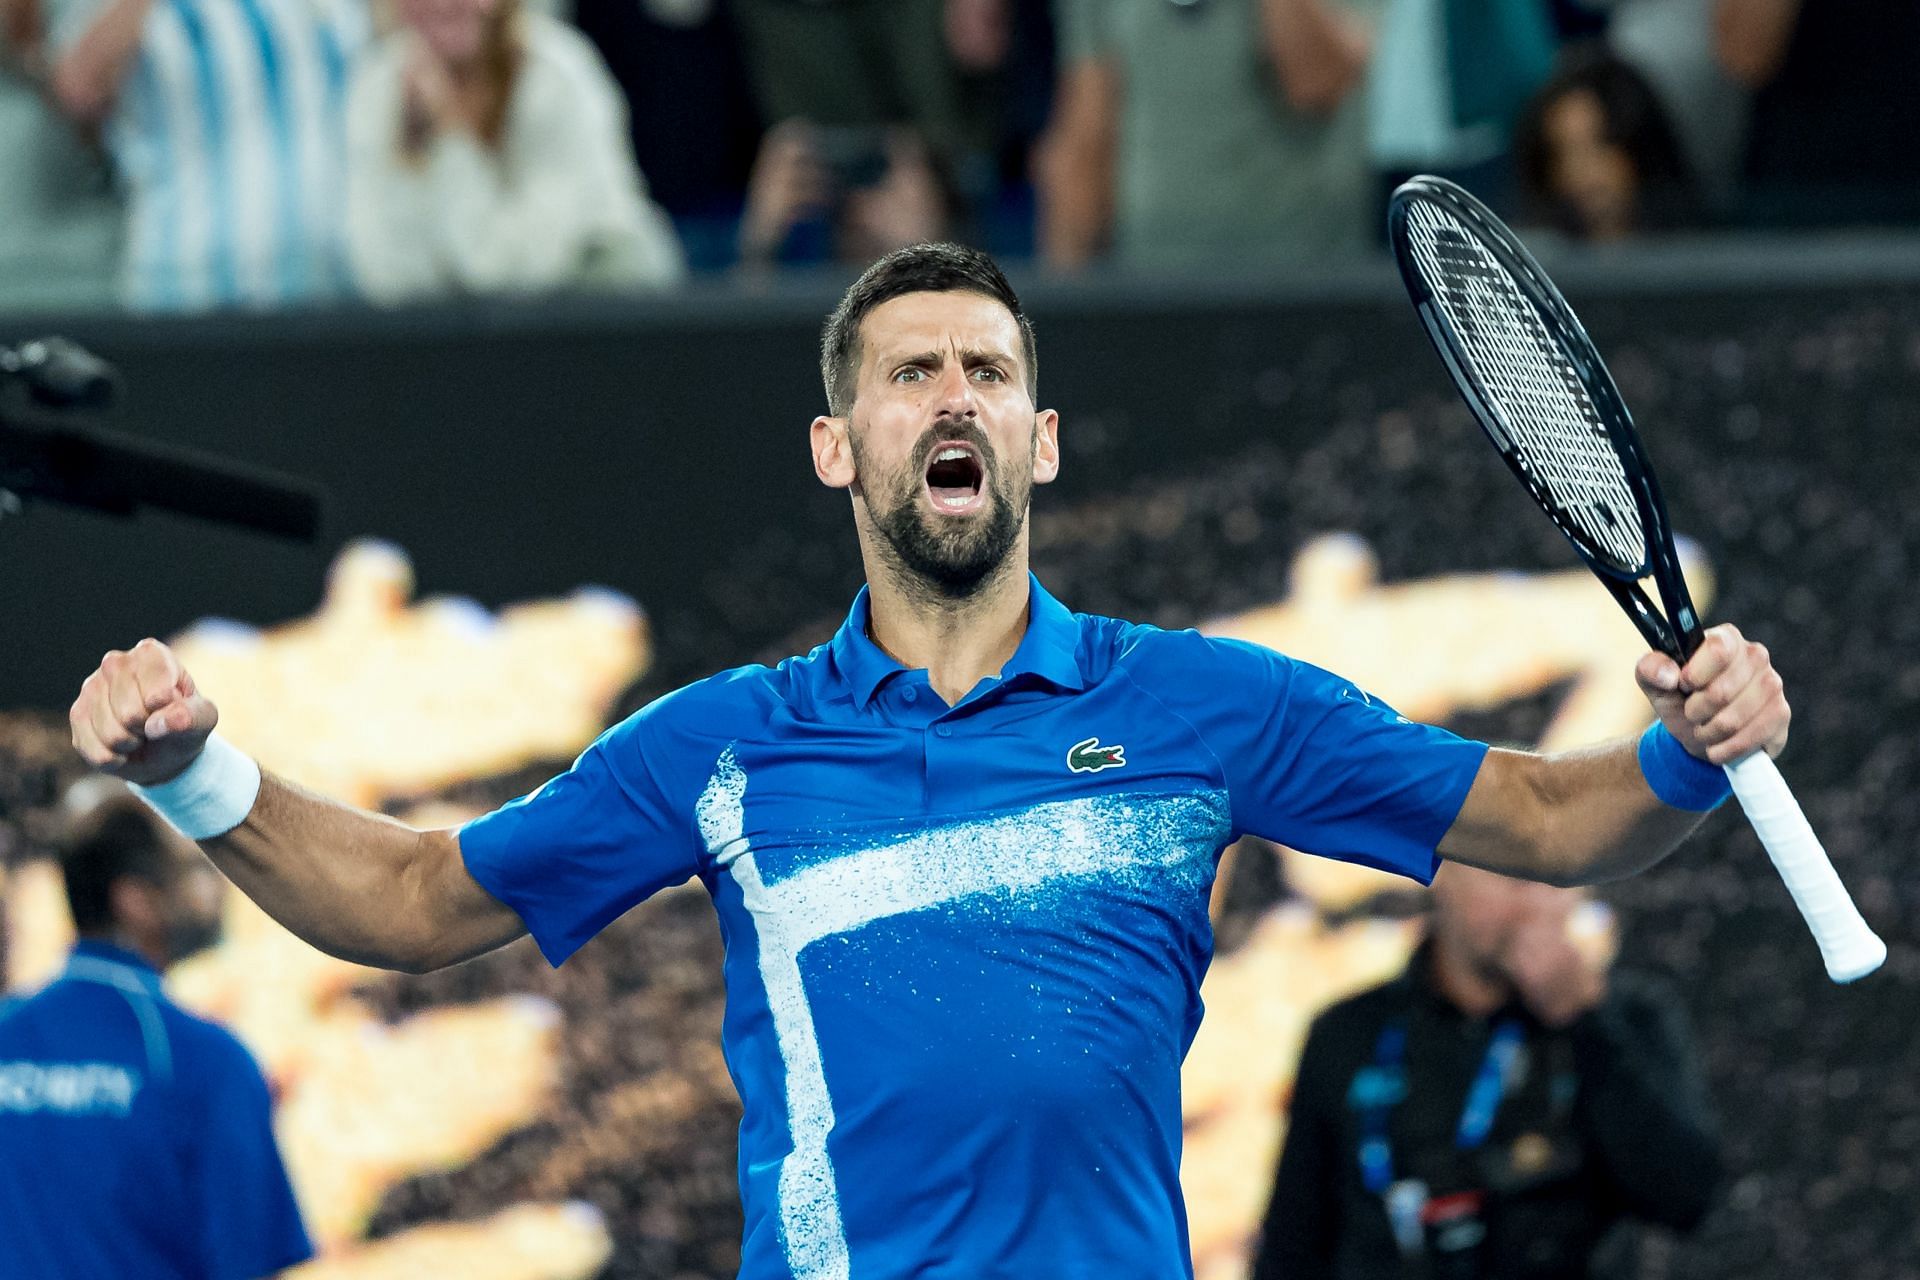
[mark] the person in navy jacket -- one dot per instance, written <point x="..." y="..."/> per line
<point x="135" y="1138"/>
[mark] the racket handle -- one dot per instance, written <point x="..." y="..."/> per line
<point x="1848" y="945"/>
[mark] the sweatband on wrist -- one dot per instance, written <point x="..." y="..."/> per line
<point x="212" y="796"/>
<point x="1680" y="778"/>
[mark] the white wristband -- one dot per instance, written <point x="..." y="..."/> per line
<point x="212" y="796"/>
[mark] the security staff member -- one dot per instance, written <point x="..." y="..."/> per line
<point x="1494" y="1112"/>
<point x="135" y="1138"/>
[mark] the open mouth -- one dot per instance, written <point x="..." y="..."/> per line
<point x="956" y="477"/>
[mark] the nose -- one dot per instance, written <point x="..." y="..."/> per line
<point x="955" y="398"/>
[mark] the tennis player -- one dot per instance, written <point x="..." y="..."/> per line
<point x="961" y="853"/>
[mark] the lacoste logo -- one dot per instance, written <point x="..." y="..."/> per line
<point x="1088" y="756"/>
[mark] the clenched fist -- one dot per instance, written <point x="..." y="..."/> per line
<point x="139" y="716"/>
<point x="1726" y="702"/>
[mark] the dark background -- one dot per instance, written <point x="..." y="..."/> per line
<point x="1209" y="428"/>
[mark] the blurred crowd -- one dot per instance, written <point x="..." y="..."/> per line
<point x="183" y="155"/>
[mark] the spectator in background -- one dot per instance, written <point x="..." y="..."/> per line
<point x="1672" y="44"/>
<point x="488" y="153"/>
<point x="1194" y="132"/>
<point x="1835" y="136"/>
<point x="1597" y="157"/>
<point x="866" y="63"/>
<point x="1449" y="79"/>
<point x="859" y="68"/>
<point x="136" y="1140"/>
<point x="59" y="220"/>
<point x="691" y="119"/>
<point x="839" y="195"/>
<point x="223" y="120"/>
<point x="1495" y="1112"/>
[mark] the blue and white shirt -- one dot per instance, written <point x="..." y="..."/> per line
<point x="135" y="1138"/>
<point x="229" y="136"/>
<point x="964" y="944"/>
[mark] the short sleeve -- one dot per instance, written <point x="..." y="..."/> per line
<point x="574" y="855"/>
<point x="1314" y="762"/>
<point x="1084" y="29"/>
<point x="247" y="1210"/>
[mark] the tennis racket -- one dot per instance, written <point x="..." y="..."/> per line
<point x="1538" y="387"/>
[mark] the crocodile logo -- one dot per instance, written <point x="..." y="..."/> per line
<point x="1088" y="756"/>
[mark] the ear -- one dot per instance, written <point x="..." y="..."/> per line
<point x="832" y="453"/>
<point x="1046" y="446"/>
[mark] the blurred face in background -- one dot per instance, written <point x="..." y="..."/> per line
<point x="456" y="31"/>
<point x="1590" y="173"/>
<point x="946" y="443"/>
<point x="1477" y="914"/>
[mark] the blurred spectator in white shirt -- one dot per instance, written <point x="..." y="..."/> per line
<point x="59" y="220"/>
<point x="488" y="153"/>
<point x="223" y="120"/>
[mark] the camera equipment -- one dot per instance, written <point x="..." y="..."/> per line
<point x="52" y="394"/>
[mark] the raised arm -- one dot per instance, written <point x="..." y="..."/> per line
<point x="86" y="75"/>
<point x="1580" y="817"/>
<point x="1318" y="49"/>
<point x="356" y="885"/>
<point x="1073" y="166"/>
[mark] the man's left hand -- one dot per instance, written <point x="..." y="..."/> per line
<point x="1725" y="703"/>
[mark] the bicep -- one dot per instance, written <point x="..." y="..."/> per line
<point x="470" y="921"/>
<point x="1499" y="824"/>
<point x="576" y="853"/>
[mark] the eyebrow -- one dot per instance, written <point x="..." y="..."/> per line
<point x="970" y="357"/>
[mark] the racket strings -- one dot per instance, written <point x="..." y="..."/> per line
<point x="1554" y="431"/>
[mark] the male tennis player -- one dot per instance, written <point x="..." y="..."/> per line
<point x="960" y="853"/>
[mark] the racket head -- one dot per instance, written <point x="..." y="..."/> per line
<point x="1537" y="385"/>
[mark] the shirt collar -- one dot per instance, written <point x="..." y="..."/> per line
<point x="98" y="952"/>
<point x="1050" y="649"/>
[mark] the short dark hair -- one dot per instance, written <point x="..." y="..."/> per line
<point x="918" y="268"/>
<point x="118" y="838"/>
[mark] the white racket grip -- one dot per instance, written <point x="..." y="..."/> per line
<point x="1850" y="948"/>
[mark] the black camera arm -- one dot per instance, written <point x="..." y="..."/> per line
<point x="49" y="452"/>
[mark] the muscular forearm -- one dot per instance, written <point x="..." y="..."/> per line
<point x="1577" y="817"/>
<point x="354" y="884"/>
<point x="358" y="885"/>
<point x="1586" y="816"/>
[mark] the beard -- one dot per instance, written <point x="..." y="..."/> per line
<point x="951" y="557"/>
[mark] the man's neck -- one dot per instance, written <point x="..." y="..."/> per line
<point x="123" y="940"/>
<point x="1463" y="984"/>
<point x="958" y="642"/>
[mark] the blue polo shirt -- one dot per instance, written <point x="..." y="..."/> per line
<point x="964" y="944"/>
<point x="135" y="1138"/>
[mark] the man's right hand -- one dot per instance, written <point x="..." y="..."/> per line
<point x="139" y="717"/>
